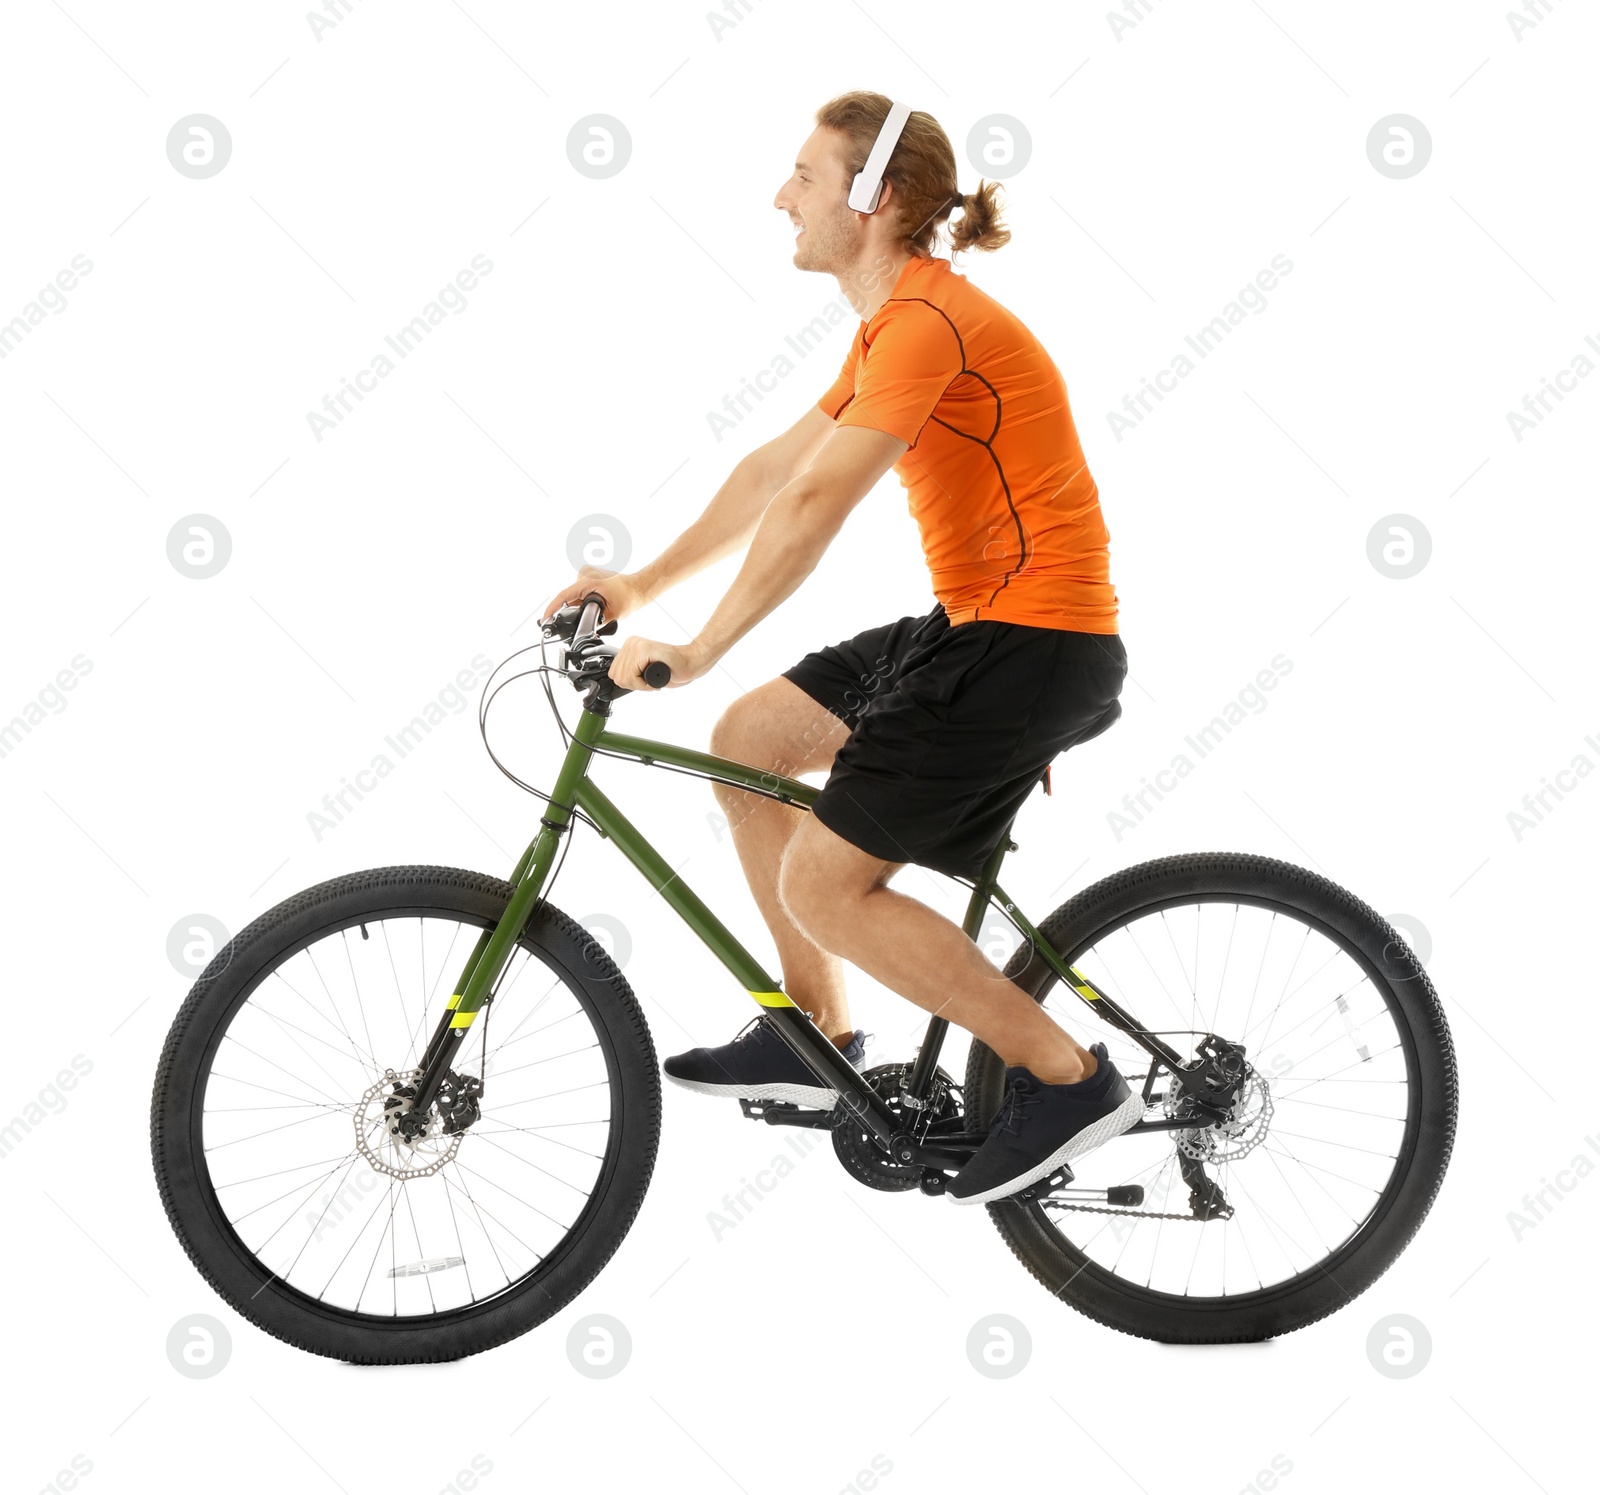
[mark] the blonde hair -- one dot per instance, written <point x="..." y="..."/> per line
<point x="922" y="168"/>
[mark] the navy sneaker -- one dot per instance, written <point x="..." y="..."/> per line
<point x="1039" y="1127"/>
<point x="758" y="1065"/>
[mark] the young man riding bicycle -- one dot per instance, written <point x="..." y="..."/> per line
<point x="933" y="729"/>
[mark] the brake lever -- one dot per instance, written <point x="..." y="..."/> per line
<point x="564" y="623"/>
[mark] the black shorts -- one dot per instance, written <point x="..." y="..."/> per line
<point x="951" y="728"/>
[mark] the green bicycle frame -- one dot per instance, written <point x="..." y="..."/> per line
<point x="575" y="790"/>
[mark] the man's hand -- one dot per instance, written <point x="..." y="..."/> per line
<point x="686" y="661"/>
<point x="621" y="590"/>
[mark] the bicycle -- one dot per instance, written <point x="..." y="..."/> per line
<point x="320" y="1162"/>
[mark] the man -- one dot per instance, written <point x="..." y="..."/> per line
<point x="934" y="729"/>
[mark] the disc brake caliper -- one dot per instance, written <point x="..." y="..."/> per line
<point x="456" y="1104"/>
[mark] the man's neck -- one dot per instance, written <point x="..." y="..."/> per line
<point x="867" y="284"/>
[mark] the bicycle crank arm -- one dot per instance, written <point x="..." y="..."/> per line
<point x="786" y="1113"/>
<point x="943" y="1157"/>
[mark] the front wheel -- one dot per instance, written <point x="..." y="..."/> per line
<point x="327" y="1226"/>
<point x="1337" y="1142"/>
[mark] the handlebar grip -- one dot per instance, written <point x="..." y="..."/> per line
<point x="657" y="674"/>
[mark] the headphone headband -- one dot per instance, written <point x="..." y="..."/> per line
<point x="868" y="184"/>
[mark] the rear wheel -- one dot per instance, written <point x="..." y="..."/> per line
<point x="320" y="1220"/>
<point x="1335" y="1147"/>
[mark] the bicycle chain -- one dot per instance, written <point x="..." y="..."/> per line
<point x="1135" y="1214"/>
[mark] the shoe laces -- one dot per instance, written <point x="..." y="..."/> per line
<point x="752" y="1030"/>
<point x="1020" y="1094"/>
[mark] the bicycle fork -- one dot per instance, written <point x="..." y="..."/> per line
<point x="493" y="949"/>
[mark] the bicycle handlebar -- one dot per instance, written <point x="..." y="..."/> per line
<point x="591" y="622"/>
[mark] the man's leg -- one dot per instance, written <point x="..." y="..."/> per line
<point x="836" y="894"/>
<point x="778" y="727"/>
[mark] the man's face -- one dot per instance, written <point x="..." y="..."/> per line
<point x="830" y="235"/>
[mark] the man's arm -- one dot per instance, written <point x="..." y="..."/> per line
<point x="797" y="527"/>
<point x="725" y="526"/>
<point x="733" y="514"/>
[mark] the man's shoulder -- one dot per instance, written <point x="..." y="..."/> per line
<point x="940" y="292"/>
<point x="914" y="315"/>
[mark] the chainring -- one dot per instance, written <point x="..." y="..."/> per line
<point x="864" y="1160"/>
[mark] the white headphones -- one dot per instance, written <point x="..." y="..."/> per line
<point x="868" y="184"/>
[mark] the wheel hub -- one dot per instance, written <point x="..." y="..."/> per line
<point x="390" y="1137"/>
<point x="1243" y="1128"/>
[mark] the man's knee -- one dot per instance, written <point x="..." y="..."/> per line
<point x="737" y="733"/>
<point x="822" y="880"/>
<point x="747" y="732"/>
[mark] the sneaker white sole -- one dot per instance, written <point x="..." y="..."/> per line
<point x="800" y="1095"/>
<point x="1091" y="1137"/>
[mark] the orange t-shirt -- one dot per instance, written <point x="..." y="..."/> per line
<point x="994" y="475"/>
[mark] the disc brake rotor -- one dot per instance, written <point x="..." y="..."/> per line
<point x="1244" y="1129"/>
<point x="387" y="1147"/>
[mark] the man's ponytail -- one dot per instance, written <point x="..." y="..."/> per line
<point x="979" y="226"/>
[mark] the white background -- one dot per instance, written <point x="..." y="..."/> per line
<point x="1167" y="168"/>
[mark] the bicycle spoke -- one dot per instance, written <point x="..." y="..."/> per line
<point x="382" y="1231"/>
<point x="421" y="1254"/>
<point x="537" y="1133"/>
<point x="292" y="1075"/>
<point x="323" y="981"/>
<point x="455" y="1225"/>
<point x="256" y="1005"/>
<point x="1256" y="985"/>
<point x="267" y="1133"/>
<point x="554" y="1094"/>
<point x="462" y="1167"/>
<point x="1227" y="955"/>
<point x="279" y="1172"/>
<point x="296" y="1189"/>
<point x="325" y="1208"/>
<point x="321" y="1105"/>
<point x="528" y="1163"/>
<point x="338" y="1027"/>
<point x="534" y="1033"/>
<point x="548" y="1059"/>
<point x="1194" y="1000"/>
<point x="361" y="1006"/>
<point x="1304" y="941"/>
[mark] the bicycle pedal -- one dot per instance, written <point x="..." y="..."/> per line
<point x="785" y="1113"/>
<point x="1047" y="1185"/>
